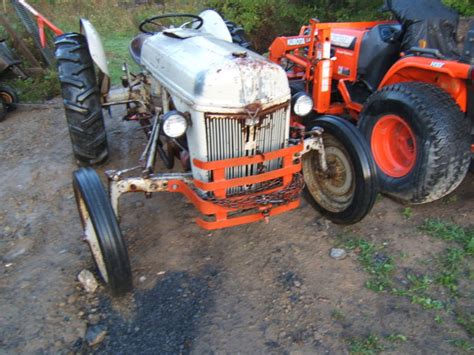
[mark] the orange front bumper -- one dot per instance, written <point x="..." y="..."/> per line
<point x="221" y="206"/>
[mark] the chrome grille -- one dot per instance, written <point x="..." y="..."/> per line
<point x="228" y="136"/>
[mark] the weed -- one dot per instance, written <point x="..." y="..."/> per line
<point x="377" y="264"/>
<point x="463" y="344"/>
<point x="466" y="320"/>
<point x="337" y="315"/>
<point x="366" y="346"/>
<point x="450" y="199"/>
<point x="397" y="338"/>
<point x="450" y="232"/>
<point x="407" y="212"/>
<point x="438" y="319"/>
<point x="427" y="302"/>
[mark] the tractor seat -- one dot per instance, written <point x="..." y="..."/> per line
<point x="379" y="50"/>
<point x="135" y="47"/>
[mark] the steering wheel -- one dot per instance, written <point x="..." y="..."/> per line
<point x="154" y="21"/>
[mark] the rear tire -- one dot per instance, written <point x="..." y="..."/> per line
<point x="102" y="231"/>
<point x="81" y="99"/>
<point x="420" y="140"/>
<point x="9" y="96"/>
<point x="238" y="35"/>
<point x="347" y="192"/>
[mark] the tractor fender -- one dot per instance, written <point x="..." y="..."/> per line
<point x="449" y="75"/>
<point x="95" y="45"/>
<point x="215" y="25"/>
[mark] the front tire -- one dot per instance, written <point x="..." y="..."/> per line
<point x="420" y="141"/>
<point x="347" y="191"/>
<point x="81" y="99"/>
<point x="102" y="231"/>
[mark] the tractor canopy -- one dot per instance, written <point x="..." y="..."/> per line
<point x="426" y="24"/>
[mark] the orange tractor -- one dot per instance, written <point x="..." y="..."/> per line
<point x="405" y="85"/>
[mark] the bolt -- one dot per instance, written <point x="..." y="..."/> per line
<point x="133" y="187"/>
<point x="153" y="186"/>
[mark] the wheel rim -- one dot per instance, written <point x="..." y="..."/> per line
<point x="393" y="146"/>
<point x="92" y="239"/>
<point x="333" y="190"/>
<point x="7" y="98"/>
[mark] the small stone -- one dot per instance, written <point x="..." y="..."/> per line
<point x="72" y="299"/>
<point x="142" y="279"/>
<point x="297" y="283"/>
<point x="88" y="281"/>
<point x="338" y="253"/>
<point x="161" y="273"/>
<point x="95" y="334"/>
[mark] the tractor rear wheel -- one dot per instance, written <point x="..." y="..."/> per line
<point x="81" y="99"/>
<point x="238" y="35"/>
<point x="420" y="141"/>
<point x="102" y="231"/>
<point x="346" y="192"/>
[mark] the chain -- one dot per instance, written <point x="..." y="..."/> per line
<point x="254" y="198"/>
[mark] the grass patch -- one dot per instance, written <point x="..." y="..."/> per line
<point x="373" y="344"/>
<point x="365" y="346"/>
<point x="463" y="344"/>
<point x="407" y="212"/>
<point x="466" y="320"/>
<point x="377" y="264"/>
<point x="446" y="271"/>
<point x="440" y="229"/>
<point x="116" y="48"/>
<point x="452" y="260"/>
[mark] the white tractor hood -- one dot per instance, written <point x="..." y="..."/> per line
<point x="211" y="74"/>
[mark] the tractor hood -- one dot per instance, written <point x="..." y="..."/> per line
<point x="213" y="75"/>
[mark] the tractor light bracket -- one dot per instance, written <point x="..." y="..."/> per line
<point x="315" y="142"/>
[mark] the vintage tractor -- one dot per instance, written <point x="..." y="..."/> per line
<point x="220" y="109"/>
<point x="403" y="82"/>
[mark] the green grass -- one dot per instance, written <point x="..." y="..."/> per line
<point x="407" y="212"/>
<point x="463" y="344"/>
<point x="379" y="266"/>
<point x="436" y="289"/>
<point x="116" y="49"/>
<point x="440" y="229"/>
<point x="365" y="346"/>
<point x="373" y="344"/>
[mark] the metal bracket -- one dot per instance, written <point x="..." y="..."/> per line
<point x="315" y="142"/>
<point x="155" y="183"/>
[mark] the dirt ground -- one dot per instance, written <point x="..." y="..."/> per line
<point x="260" y="288"/>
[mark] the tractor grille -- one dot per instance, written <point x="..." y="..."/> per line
<point x="231" y="136"/>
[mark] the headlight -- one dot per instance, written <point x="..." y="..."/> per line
<point x="302" y="104"/>
<point x="174" y="124"/>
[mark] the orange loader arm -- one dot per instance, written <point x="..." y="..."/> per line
<point x="42" y="22"/>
